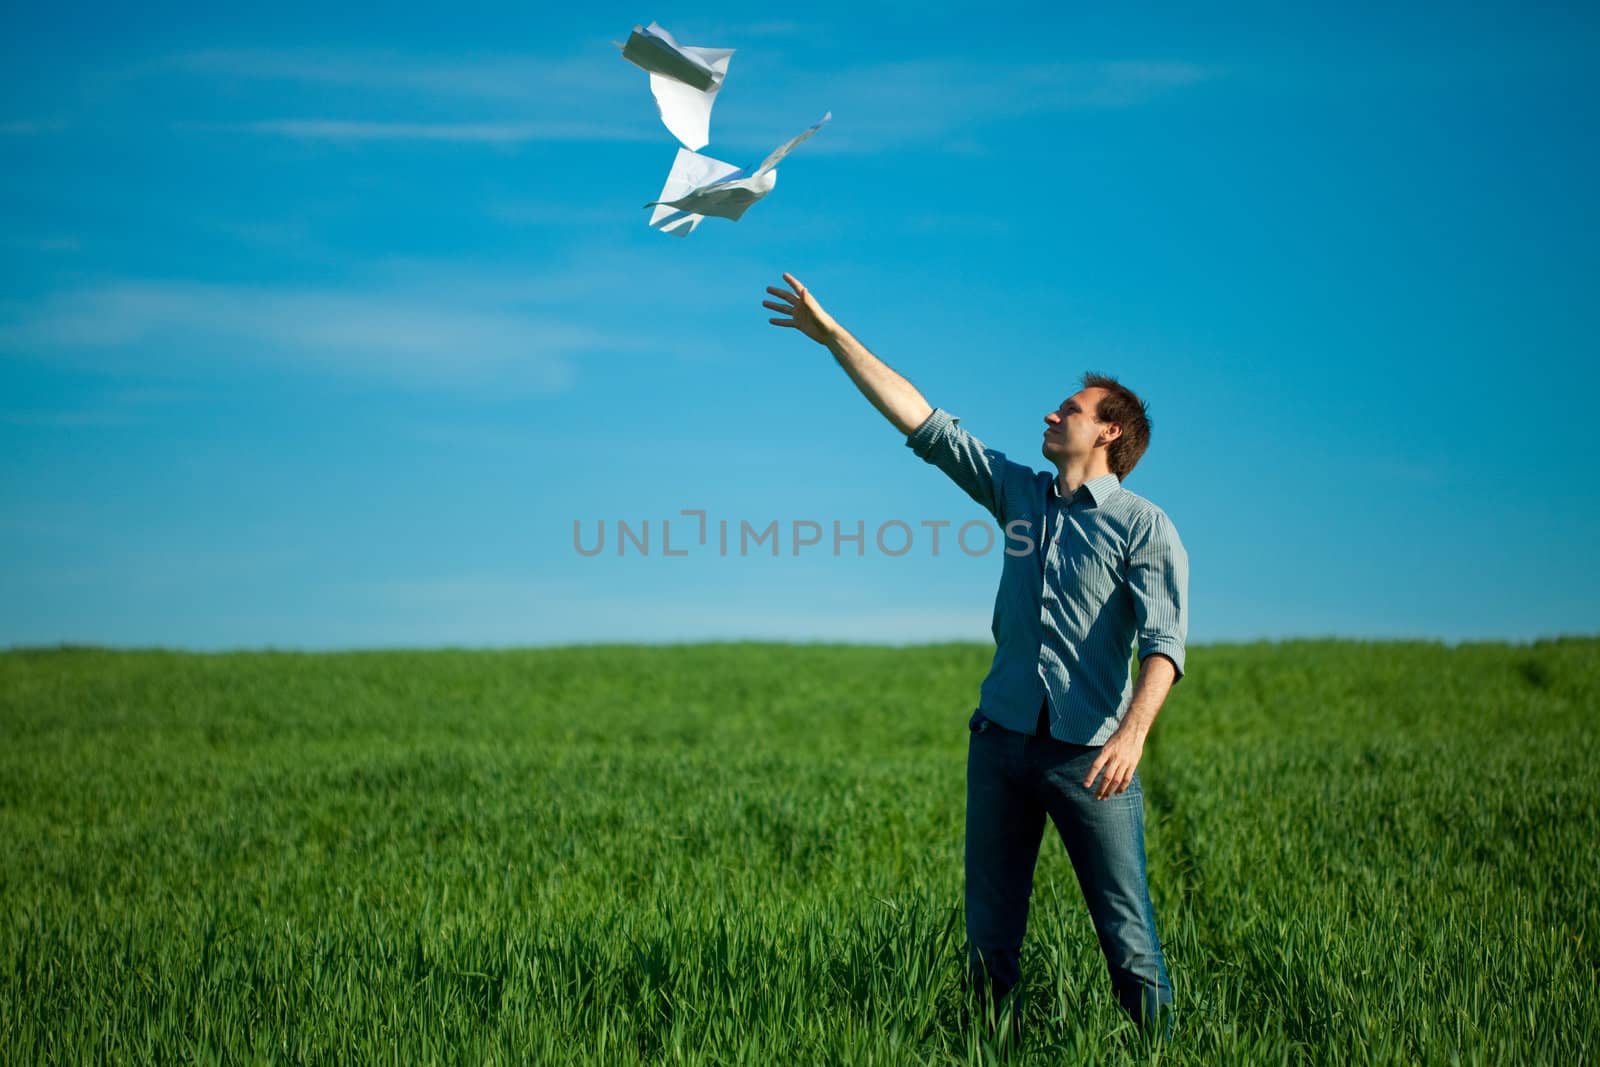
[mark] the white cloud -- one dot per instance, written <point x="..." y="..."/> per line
<point x="134" y="406"/>
<point x="68" y="420"/>
<point x="771" y="28"/>
<point x="411" y="336"/>
<point x="546" y="213"/>
<point x="25" y="127"/>
<point x="894" y="103"/>
<point x="502" y="77"/>
<point x="43" y="244"/>
<point x="516" y="98"/>
<point x="879" y="105"/>
<point x="324" y="129"/>
<point x="523" y="609"/>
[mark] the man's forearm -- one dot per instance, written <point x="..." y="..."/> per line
<point x="1119" y="757"/>
<point x="893" y="396"/>
<point x="1157" y="674"/>
<point x="899" y="401"/>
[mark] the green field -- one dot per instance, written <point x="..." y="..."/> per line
<point x="1365" y="853"/>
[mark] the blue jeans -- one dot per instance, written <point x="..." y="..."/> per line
<point x="1013" y="781"/>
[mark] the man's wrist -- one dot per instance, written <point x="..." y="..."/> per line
<point x="1135" y="726"/>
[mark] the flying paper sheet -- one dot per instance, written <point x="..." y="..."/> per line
<point x="690" y="171"/>
<point x="699" y="186"/>
<point x="683" y="79"/>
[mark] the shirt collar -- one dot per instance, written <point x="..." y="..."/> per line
<point x="1099" y="489"/>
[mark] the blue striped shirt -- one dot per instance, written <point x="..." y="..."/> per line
<point x="1108" y="574"/>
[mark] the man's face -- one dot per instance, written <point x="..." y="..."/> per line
<point x="1072" y="430"/>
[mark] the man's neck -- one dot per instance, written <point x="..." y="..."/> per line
<point x="1074" y="474"/>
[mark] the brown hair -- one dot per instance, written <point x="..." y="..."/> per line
<point x="1122" y="406"/>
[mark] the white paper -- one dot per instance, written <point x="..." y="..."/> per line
<point x="725" y="191"/>
<point x="690" y="171"/>
<point x="684" y="79"/>
<point x="788" y="146"/>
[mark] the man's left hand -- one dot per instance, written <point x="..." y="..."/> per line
<point x="1115" y="765"/>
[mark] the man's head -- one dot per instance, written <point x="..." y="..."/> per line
<point x="1103" y="414"/>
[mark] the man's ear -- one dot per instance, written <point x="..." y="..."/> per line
<point x="1110" y="432"/>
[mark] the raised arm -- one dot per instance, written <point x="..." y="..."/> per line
<point x="896" y="398"/>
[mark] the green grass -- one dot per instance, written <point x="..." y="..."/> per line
<point x="1364" y="853"/>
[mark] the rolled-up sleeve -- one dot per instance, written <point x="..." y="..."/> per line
<point x="980" y="472"/>
<point x="1158" y="578"/>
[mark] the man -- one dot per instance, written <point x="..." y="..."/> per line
<point x="1091" y="570"/>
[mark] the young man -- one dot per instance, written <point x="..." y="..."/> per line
<point x="1091" y="570"/>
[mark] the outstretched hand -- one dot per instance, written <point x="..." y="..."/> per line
<point x="801" y="311"/>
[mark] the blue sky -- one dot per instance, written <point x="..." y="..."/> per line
<point x="322" y="329"/>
